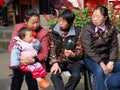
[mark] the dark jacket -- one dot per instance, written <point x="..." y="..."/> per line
<point x="104" y="45"/>
<point x="58" y="44"/>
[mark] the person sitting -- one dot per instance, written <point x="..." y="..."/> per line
<point x="66" y="51"/>
<point x="100" y="42"/>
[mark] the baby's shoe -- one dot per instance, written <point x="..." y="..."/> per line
<point x="43" y="83"/>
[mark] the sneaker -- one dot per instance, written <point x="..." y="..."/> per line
<point x="43" y="83"/>
<point x="67" y="73"/>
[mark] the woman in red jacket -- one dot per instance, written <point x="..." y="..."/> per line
<point x="31" y="20"/>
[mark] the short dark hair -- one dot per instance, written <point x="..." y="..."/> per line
<point x="29" y="13"/>
<point x="22" y="32"/>
<point x="68" y="15"/>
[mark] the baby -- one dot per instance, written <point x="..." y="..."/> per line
<point x="27" y="46"/>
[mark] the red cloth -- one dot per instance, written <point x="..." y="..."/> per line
<point x="1" y="2"/>
<point x="34" y="34"/>
<point x="95" y="3"/>
<point x="42" y="36"/>
<point x="36" y="71"/>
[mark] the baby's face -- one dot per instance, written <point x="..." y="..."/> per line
<point x="28" y="37"/>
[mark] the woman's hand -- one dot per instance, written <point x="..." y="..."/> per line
<point x="26" y="60"/>
<point x="55" y="68"/>
<point x="110" y="66"/>
<point x="104" y="67"/>
<point x="69" y="53"/>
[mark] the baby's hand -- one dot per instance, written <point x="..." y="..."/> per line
<point x="34" y="40"/>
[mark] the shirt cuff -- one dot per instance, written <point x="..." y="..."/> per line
<point x="36" y="59"/>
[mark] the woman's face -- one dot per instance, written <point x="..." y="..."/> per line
<point x="33" y="23"/>
<point x="63" y="23"/>
<point x="97" y="18"/>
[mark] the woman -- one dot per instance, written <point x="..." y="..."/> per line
<point x="100" y="43"/>
<point x="32" y="21"/>
<point x="66" y="51"/>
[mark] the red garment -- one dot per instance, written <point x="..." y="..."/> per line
<point x="34" y="34"/>
<point x="42" y="36"/>
<point x="36" y="71"/>
<point x="1" y="2"/>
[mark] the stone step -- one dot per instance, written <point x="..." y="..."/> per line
<point x="5" y="35"/>
<point x="4" y="44"/>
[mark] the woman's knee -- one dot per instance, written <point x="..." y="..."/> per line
<point x="76" y="77"/>
<point x="110" y="84"/>
<point x="114" y="81"/>
<point x="55" y="76"/>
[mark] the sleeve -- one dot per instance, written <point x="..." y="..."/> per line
<point x="15" y="56"/>
<point x="88" y="44"/>
<point x="79" y="48"/>
<point x="37" y="45"/>
<point x="43" y="52"/>
<point x="114" y="48"/>
<point x="52" y="54"/>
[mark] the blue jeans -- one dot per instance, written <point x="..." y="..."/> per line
<point x="98" y="75"/>
<point x="113" y="82"/>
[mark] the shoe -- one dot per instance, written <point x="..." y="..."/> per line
<point x="67" y="73"/>
<point x="43" y="83"/>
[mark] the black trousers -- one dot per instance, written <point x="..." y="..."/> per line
<point x="18" y="77"/>
<point x="74" y="69"/>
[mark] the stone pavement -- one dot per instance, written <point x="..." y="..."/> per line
<point x="5" y="72"/>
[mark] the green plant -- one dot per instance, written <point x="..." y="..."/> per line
<point x="51" y="22"/>
<point x="114" y="16"/>
<point x="82" y="17"/>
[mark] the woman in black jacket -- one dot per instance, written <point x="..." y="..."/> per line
<point x="100" y="43"/>
<point x="66" y="51"/>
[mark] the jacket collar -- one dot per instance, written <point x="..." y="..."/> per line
<point x="70" y="33"/>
